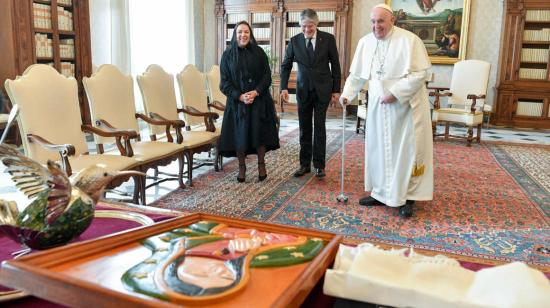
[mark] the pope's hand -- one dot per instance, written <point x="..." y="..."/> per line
<point x="343" y="101"/>
<point x="388" y="99"/>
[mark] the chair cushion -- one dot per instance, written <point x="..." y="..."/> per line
<point x="193" y="139"/>
<point x="111" y="162"/>
<point x="457" y="115"/>
<point x="148" y="151"/>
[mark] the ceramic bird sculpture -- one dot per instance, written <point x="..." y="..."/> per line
<point x="58" y="210"/>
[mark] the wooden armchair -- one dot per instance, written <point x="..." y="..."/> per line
<point x="215" y="96"/>
<point x="111" y="97"/>
<point x="159" y="99"/>
<point x="466" y="99"/>
<point x="50" y="123"/>
<point x="195" y="109"/>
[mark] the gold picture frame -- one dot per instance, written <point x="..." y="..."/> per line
<point x="442" y="26"/>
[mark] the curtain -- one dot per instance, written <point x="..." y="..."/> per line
<point x="161" y="32"/>
<point x="134" y="34"/>
<point x="109" y="31"/>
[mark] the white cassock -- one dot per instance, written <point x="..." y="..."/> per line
<point x="398" y="146"/>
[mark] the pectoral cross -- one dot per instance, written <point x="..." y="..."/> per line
<point x="380" y="72"/>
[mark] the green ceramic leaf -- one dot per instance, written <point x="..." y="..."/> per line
<point x="288" y="255"/>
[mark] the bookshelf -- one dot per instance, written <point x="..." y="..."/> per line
<point x="523" y="90"/>
<point x="52" y="32"/>
<point x="275" y="22"/>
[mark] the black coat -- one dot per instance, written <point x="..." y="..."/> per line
<point x="325" y="78"/>
<point x="246" y="127"/>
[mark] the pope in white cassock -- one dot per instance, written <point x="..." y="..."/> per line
<point x="398" y="146"/>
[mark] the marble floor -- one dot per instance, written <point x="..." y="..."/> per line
<point x="289" y="122"/>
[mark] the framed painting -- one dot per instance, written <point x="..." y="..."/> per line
<point x="441" y="24"/>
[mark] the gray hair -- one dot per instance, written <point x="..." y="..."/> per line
<point x="309" y="15"/>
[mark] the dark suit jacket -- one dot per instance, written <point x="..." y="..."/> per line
<point x="325" y="78"/>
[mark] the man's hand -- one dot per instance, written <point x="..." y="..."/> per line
<point x="343" y="101"/>
<point x="388" y="98"/>
<point x="335" y="97"/>
<point x="284" y="95"/>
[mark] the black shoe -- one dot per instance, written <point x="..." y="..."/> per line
<point x="261" y="167"/>
<point x="369" y="201"/>
<point x="406" y="210"/>
<point x="300" y="172"/>
<point x="242" y="171"/>
<point x="320" y="172"/>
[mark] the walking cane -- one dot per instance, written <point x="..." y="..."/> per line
<point x="342" y="197"/>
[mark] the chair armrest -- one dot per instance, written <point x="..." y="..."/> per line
<point x="474" y="97"/>
<point x="438" y="89"/>
<point x="110" y="133"/>
<point x="437" y="93"/>
<point x="126" y="134"/>
<point x="107" y="127"/>
<point x="209" y="117"/>
<point x="64" y="150"/>
<point x="157" y="119"/>
<point x="217" y="105"/>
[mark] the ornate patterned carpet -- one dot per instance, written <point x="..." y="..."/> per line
<point x="491" y="201"/>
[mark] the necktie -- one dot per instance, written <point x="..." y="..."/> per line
<point x="310" y="52"/>
<point x="310" y="55"/>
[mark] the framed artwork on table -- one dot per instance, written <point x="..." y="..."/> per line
<point x="441" y="24"/>
<point x="194" y="260"/>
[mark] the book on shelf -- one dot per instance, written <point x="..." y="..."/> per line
<point x="324" y="16"/>
<point x="537" y="15"/>
<point x="292" y="31"/>
<point x="527" y="108"/>
<point x="64" y="19"/>
<point x="261" y="17"/>
<point x="234" y="18"/>
<point x="327" y="29"/>
<point x="43" y="46"/>
<point x="262" y="33"/>
<point x="542" y="35"/>
<point x="327" y="16"/>
<point x="66" y="48"/>
<point x="293" y="17"/>
<point x="42" y="16"/>
<point x="65" y="2"/>
<point x="532" y="73"/>
<point x="67" y="69"/>
<point x="534" y="55"/>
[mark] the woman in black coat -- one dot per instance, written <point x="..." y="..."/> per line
<point x="249" y="122"/>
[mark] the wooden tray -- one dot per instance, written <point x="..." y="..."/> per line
<point x="87" y="274"/>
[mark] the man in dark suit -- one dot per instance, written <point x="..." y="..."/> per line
<point x="318" y="85"/>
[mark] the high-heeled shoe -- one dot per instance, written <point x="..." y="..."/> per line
<point x="242" y="168"/>
<point x="260" y="176"/>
